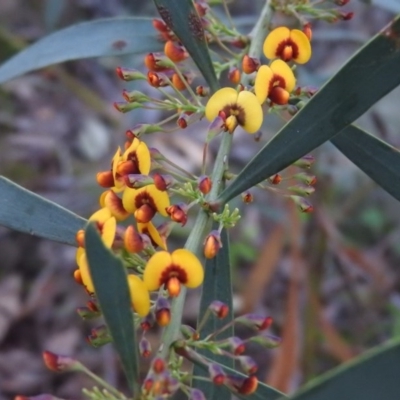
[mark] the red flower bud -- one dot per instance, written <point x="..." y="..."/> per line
<point x="219" y="309"/>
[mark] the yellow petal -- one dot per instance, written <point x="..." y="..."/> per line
<point x="108" y="232"/>
<point x="116" y="158"/>
<point x="131" y="149"/>
<point x="280" y="68"/>
<point x="160" y="198"/>
<point x="139" y="295"/>
<point x="220" y="99"/>
<point x="85" y="273"/>
<point x="300" y="39"/>
<point x="157" y="264"/>
<point x="262" y="83"/>
<point x="143" y="157"/>
<point x="101" y="215"/>
<point x="128" y="199"/>
<point x="150" y="230"/>
<point x="274" y="39"/>
<point x="253" y="112"/>
<point x="188" y="262"/>
<point x="79" y="252"/>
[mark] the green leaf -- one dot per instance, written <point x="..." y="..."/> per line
<point x="372" y="376"/>
<point x="28" y="212"/>
<point x="111" y="288"/>
<point x="217" y="285"/>
<point x="368" y="76"/>
<point x="99" y="38"/>
<point x="182" y="18"/>
<point x="379" y="160"/>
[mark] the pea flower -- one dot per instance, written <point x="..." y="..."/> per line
<point x="288" y="45"/>
<point x="274" y="82"/>
<point x="145" y="202"/>
<point x="107" y="226"/>
<point x="139" y="295"/>
<point x="237" y="108"/>
<point x="172" y="270"/>
<point x="151" y="231"/>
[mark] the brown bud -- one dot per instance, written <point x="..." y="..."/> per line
<point x="105" y="179"/>
<point x="250" y="64"/>
<point x="234" y="75"/>
<point x="151" y="61"/>
<point x="178" y="213"/>
<point x="175" y="52"/>
<point x="162" y="311"/>
<point x="80" y="238"/>
<point x="219" y="309"/>
<point x="204" y="184"/>
<point x="129" y="74"/>
<point x="158" y="365"/>
<point x="160" y="25"/>
<point x="144" y="347"/>
<point x="163" y="182"/>
<point x="59" y="363"/>
<point x="212" y="244"/>
<point x="308" y="31"/>
<point x="202" y="91"/>
<point x="178" y="83"/>
<point x="275" y="179"/>
<point x="247" y="197"/>
<point x="133" y="241"/>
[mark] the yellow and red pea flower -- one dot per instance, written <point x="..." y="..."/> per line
<point x="140" y="296"/>
<point x="107" y="225"/>
<point x="180" y="267"/>
<point x="236" y="108"/>
<point x="106" y="179"/>
<point x="110" y="200"/>
<point x="145" y="202"/>
<point x="275" y="82"/>
<point x="288" y="45"/>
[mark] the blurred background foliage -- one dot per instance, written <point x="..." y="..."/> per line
<point x="329" y="279"/>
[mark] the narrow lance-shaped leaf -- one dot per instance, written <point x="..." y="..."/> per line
<point x="100" y="38"/>
<point x="217" y="285"/>
<point x="111" y="287"/>
<point x="374" y="375"/>
<point x="379" y="160"/>
<point x="182" y="18"/>
<point x="368" y="76"/>
<point x="28" y="212"/>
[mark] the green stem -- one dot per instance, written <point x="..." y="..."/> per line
<point x="172" y="331"/>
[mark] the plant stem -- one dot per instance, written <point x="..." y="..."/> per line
<point x="172" y="331"/>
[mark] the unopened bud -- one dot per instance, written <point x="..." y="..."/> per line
<point x="147" y="322"/>
<point x="202" y="91"/>
<point x="306" y="178"/>
<point x="248" y="386"/>
<point x="86" y="313"/>
<point x="159" y="25"/>
<point x="303" y="204"/>
<point x="59" y="363"/>
<point x="212" y="244"/>
<point x="144" y="347"/>
<point x="152" y="62"/>
<point x="80" y="238"/>
<point x="182" y="120"/>
<point x="240" y="42"/>
<point x="140" y="129"/>
<point x="267" y="341"/>
<point x="126" y="107"/>
<point x="250" y="64"/>
<point x="247" y="364"/>
<point x="219" y="309"/>
<point x="105" y="179"/>
<point x="189" y="333"/>
<point x="77" y="277"/>
<point x="204" y="184"/>
<point x="178" y="82"/>
<point x="305" y="162"/>
<point x="129" y="74"/>
<point x="255" y="321"/>
<point x="158" y="365"/>
<point x="157" y="79"/>
<point x="133" y="241"/>
<point x="308" y="31"/>
<point x="234" y="75"/>
<point x="275" y="179"/>
<point x="162" y="311"/>
<point x="302" y="190"/>
<point x="178" y="213"/>
<point x="247" y="197"/>
<point x="196" y="394"/>
<point x="175" y="52"/>
<point x="134" y="95"/>
<point x="137" y="181"/>
<point x="201" y="7"/>
<point x="217" y="374"/>
<point x="163" y="182"/>
<point x="346" y="16"/>
<point x="99" y="336"/>
<point x="236" y="345"/>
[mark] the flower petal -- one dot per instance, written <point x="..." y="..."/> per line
<point x="114" y="203"/>
<point x="262" y="83"/>
<point x="101" y="215"/>
<point x="282" y="69"/>
<point x="151" y="231"/>
<point x="139" y="295"/>
<point x="252" y="109"/>
<point x="157" y="264"/>
<point x="300" y="39"/>
<point x="273" y="40"/>
<point x="160" y="198"/>
<point x="188" y="262"/>
<point x="128" y="199"/>
<point x="143" y="157"/>
<point x="108" y="232"/>
<point x="85" y="273"/>
<point x="219" y="100"/>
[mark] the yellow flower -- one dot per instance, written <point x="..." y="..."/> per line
<point x="135" y="160"/>
<point x="145" y="202"/>
<point x="274" y="82"/>
<point x="139" y="295"/>
<point x="172" y="270"/>
<point x="236" y="108"/>
<point x="151" y="231"/>
<point x="288" y="45"/>
<point x="113" y="203"/>
<point x="107" y="226"/>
